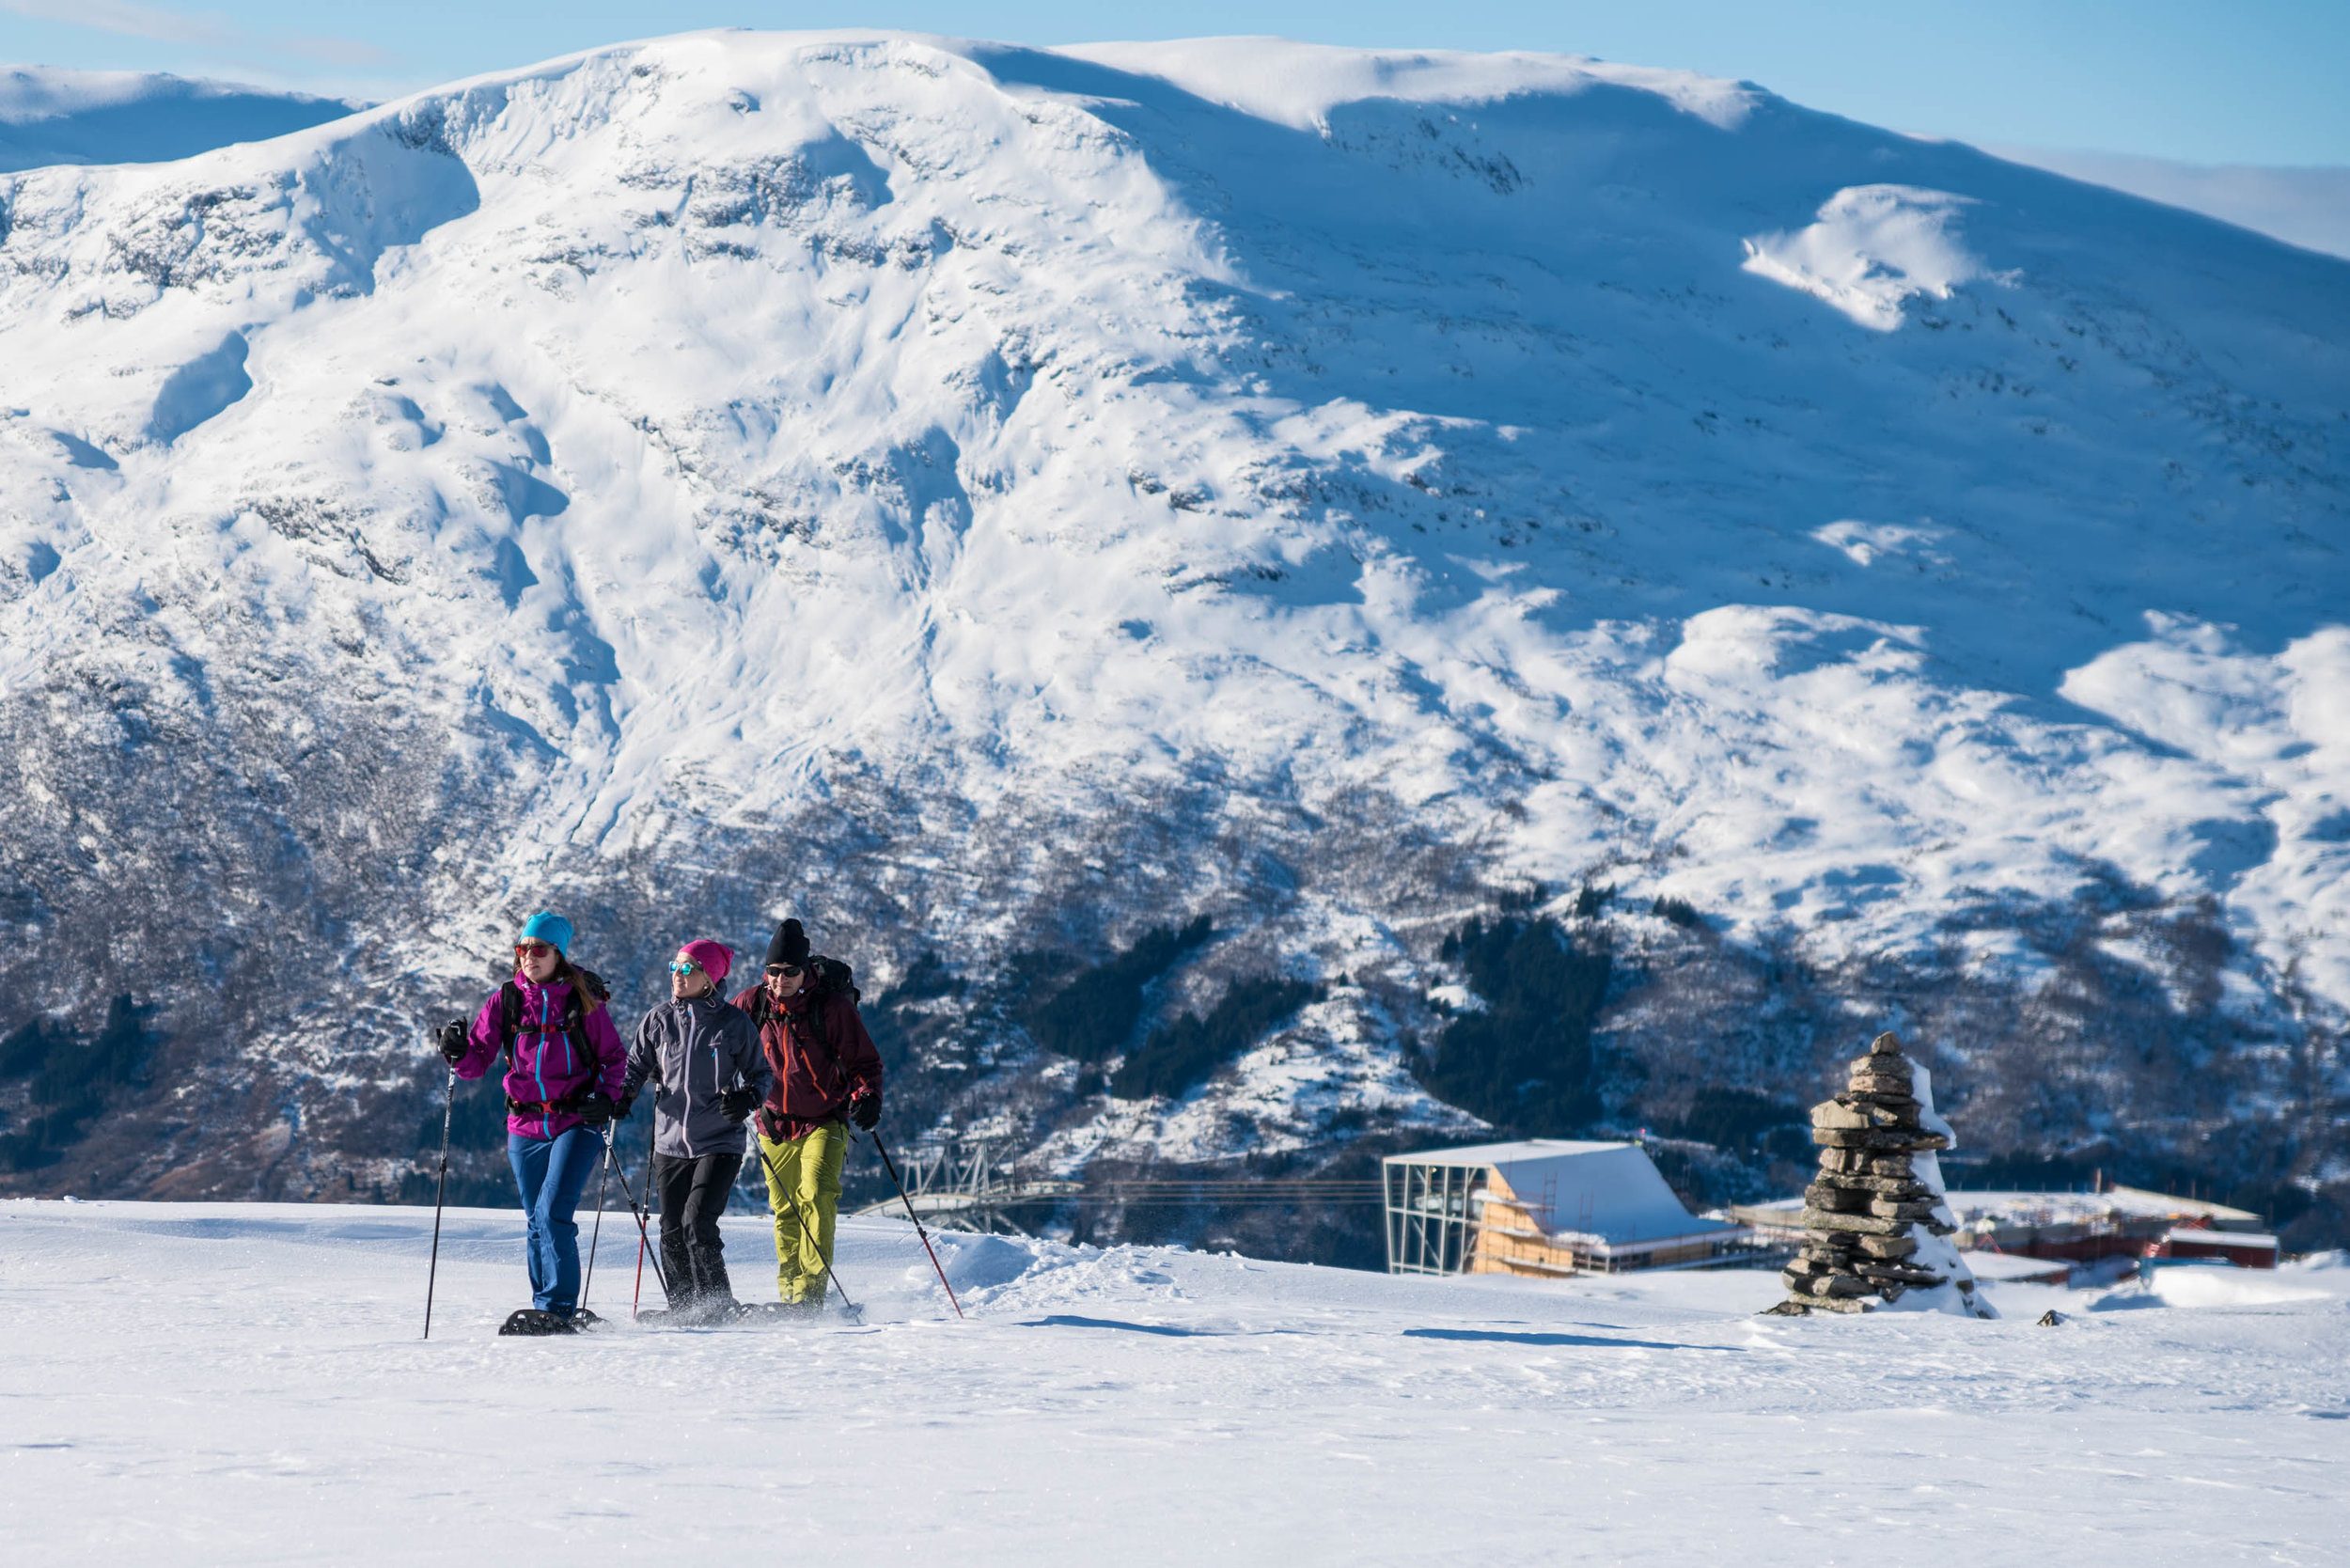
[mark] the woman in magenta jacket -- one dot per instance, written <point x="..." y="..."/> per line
<point x="564" y="1066"/>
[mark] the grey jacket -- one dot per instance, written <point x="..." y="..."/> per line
<point x="692" y="1051"/>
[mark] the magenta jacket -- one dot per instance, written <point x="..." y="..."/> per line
<point x="547" y="1065"/>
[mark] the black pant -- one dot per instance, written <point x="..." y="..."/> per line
<point x="693" y="1196"/>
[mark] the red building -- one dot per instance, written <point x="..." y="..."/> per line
<point x="2114" y="1222"/>
<point x="2243" y="1248"/>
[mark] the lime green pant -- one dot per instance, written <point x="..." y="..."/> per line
<point x="804" y="1180"/>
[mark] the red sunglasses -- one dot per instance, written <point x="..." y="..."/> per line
<point x="532" y="950"/>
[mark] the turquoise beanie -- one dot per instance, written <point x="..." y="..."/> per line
<point x="555" y="931"/>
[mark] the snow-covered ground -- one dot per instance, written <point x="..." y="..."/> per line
<point x="210" y="1383"/>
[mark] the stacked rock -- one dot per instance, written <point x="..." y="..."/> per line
<point x="1875" y="1222"/>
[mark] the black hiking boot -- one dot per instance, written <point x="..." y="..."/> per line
<point x="533" y="1321"/>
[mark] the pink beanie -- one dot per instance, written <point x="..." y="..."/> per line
<point x="714" y="958"/>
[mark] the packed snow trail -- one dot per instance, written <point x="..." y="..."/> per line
<point x="209" y="1383"/>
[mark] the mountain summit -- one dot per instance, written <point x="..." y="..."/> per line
<point x="1321" y="512"/>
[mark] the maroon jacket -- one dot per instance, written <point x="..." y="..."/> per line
<point x="821" y="1065"/>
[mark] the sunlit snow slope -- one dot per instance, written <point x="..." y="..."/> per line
<point x="996" y="500"/>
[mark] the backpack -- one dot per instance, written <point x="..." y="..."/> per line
<point x="575" y="1013"/>
<point x="833" y="979"/>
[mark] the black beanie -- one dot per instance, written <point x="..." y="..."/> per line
<point x="789" y="945"/>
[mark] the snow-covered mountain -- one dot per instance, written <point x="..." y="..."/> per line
<point x="50" y="115"/>
<point x="2307" y="206"/>
<point x="999" y="503"/>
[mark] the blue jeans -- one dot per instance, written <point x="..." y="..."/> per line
<point x="551" y="1173"/>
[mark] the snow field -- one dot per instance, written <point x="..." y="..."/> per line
<point x="203" y="1383"/>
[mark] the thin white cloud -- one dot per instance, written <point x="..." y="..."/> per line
<point x="336" y="52"/>
<point x="208" y="30"/>
<point x="121" y="16"/>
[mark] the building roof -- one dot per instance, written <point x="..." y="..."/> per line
<point x="1495" y="1153"/>
<point x="2057" y="1208"/>
<point x="1608" y="1191"/>
<point x="2199" y="1236"/>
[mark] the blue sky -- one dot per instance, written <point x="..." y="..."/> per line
<point x="2249" y="80"/>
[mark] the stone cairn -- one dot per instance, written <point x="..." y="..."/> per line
<point x="1875" y="1223"/>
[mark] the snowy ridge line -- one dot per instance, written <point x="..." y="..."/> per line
<point x="51" y="115"/>
<point x="712" y="477"/>
<point x="2304" y="207"/>
<point x="1299" y="84"/>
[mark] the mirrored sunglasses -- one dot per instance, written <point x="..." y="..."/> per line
<point x="532" y="950"/>
<point x="682" y="966"/>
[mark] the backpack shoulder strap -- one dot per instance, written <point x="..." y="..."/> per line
<point x="587" y="987"/>
<point x="509" y="1017"/>
<point x="574" y="1019"/>
<point x="575" y="1024"/>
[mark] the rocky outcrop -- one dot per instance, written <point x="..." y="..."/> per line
<point x="1876" y="1228"/>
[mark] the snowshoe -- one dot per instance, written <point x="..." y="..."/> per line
<point x="781" y="1311"/>
<point x="532" y="1321"/>
<point x="691" y="1314"/>
<point x="673" y="1317"/>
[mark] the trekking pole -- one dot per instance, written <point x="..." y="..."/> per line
<point x="775" y="1183"/>
<point x="653" y="1132"/>
<point x="892" y="1166"/>
<point x="448" y="1103"/>
<point x="630" y="1193"/>
<point x="596" y="1235"/>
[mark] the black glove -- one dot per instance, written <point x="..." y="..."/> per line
<point x="594" y="1107"/>
<point x="865" y="1110"/>
<point x="453" y="1042"/>
<point x="628" y="1103"/>
<point x="736" y="1104"/>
